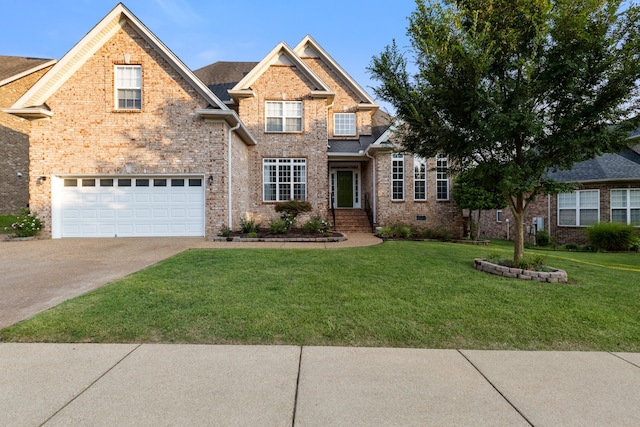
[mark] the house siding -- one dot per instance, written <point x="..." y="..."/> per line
<point x="14" y="147"/>
<point x="86" y="136"/>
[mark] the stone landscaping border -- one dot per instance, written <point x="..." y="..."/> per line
<point x="553" y="276"/>
<point x="340" y="238"/>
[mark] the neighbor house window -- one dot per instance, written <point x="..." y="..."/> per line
<point x="284" y="179"/>
<point x="128" y="87"/>
<point x="344" y="124"/>
<point x="625" y="206"/>
<point x="397" y="176"/>
<point x="283" y="116"/>
<point x="442" y="178"/>
<point x="499" y="215"/>
<point x="419" y="178"/>
<point x="580" y="208"/>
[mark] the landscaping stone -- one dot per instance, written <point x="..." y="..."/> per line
<point x="555" y="276"/>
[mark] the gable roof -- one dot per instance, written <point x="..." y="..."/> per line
<point x="90" y="43"/>
<point x="281" y="54"/>
<point x="222" y="76"/>
<point x="607" y="167"/>
<point x="13" y="68"/>
<point x="308" y="47"/>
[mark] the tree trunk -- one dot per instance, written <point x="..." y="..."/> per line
<point x="518" y="210"/>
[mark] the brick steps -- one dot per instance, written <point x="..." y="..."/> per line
<point x="351" y="220"/>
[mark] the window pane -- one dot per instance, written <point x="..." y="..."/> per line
<point x="566" y="200"/>
<point x="588" y="216"/>
<point x="635" y="217"/>
<point x="274" y="124"/>
<point x="420" y="190"/>
<point x="635" y="198"/>
<point x="344" y="124"/>
<point x="106" y="183"/>
<point x="124" y="182"/>
<point x="177" y="182"/>
<point x="160" y="182"/>
<point x="294" y="125"/>
<point x="589" y="199"/>
<point x="88" y="182"/>
<point x="270" y="192"/>
<point x="619" y="215"/>
<point x="142" y="182"/>
<point x="567" y="217"/>
<point x="70" y="182"/>
<point x="195" y="182"/>
<point x="618" y="198"/>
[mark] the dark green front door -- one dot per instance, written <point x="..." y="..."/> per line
<point x="345" y="189"/>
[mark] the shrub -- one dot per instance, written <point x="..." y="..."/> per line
<point x="249" y="226"/>
<point x="542" y="238"/>
<point x="224" y="231"/>
<point x="571" y="247"/>
<point x="278" y="226"/>
<point x="293" y="207"/>
<point x="26" y="224"/>
<point x="400" y="230"/>
<point x="316" y="225"/>
<point x="611" y="236"/>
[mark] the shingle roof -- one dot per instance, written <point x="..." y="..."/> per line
<point x="13" y="65"/>
<point x="221" y="76"/>
<point x="624" y="165"/>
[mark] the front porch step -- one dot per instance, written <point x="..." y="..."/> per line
<point x="351" y="220"/>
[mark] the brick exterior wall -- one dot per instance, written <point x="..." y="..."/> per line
<point x="14" y="147"/>
<point x="547" y="208"/>
<point x="285" y="83"/>
<point x="86" y="136"/>
<point x="437" y="214"/>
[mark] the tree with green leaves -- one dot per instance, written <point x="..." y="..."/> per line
<point x="515" y="88"/>
<point x="470" y="194"/>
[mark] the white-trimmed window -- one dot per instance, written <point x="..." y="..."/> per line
<point x="419" y="178"/>
<point x="344" y="124"/>
<point x="283" y="116"/>
<point x="580" y="208"/>
<point x="442" y="177"/>
<point x="625" y="206"/>
<point x="499" y="215"/>
<point x="284" y="179"/>
<point x="128" y="87"/>
<point x="397" y="176"/>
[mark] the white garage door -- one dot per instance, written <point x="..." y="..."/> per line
<point x="128" y="207"/>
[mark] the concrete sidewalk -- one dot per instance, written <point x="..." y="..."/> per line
<point x="158" y="385"/>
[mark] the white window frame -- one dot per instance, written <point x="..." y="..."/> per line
<point x="631" y="203"/>
<point x="289" y="116"/>
<point x="128" y="85"/>
<point x="397" y="177"/>
<point x="284" y="178"/>
<point x="419" y="177"/>
<point x="344" y="124"/>
<point x="578" y="201"/>
<point x="442" y="177"/>
<point x="498" y="215"/>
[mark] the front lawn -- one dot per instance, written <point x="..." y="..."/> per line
<point x="6" y="221"/>
<point x="398" y="294"/>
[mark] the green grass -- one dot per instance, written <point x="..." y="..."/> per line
<point x="398" y="294"/>
<point x="6" y="221"/>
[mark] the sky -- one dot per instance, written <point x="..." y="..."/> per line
<point x="201" y="32"/>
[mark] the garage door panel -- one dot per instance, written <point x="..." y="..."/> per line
<point x="131" y="207"/>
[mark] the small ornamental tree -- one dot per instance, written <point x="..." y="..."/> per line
<point x="469" y="193"/>
<point x="291" y="209"/>
<point x="515" y="88"/>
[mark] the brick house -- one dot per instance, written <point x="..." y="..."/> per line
<point x="17" y="74"/>
<point x="125" y="140"/>
<point x="609" y="190"/>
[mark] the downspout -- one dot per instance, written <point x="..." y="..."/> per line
<point x="549" y="215"/>
<point x="229" y="175"/>
<point x="375" y="185"/>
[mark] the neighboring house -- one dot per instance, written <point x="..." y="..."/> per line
<point x="127" y="141"/>
<point x="609" y="191"/>
<point x="17" y="74"/>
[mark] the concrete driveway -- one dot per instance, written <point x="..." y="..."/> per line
<point x="40" y="274"/>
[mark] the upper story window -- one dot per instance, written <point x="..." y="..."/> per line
<point x="419" y="178"/>
<point x="499" y="215"/>
<point x="397" y="176"/>
<point x="128" y="87"/>
<point x="344" y="124"/>
<point x="580" y="208"/>
<point x="625" y="206"/>
<point x="283" y="116"/>
<point x="442" y="178"/>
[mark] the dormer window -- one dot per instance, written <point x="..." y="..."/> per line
<point x="344" y="124"/>
<point x="128" y="87"/>
<point x="283" y="116"/>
